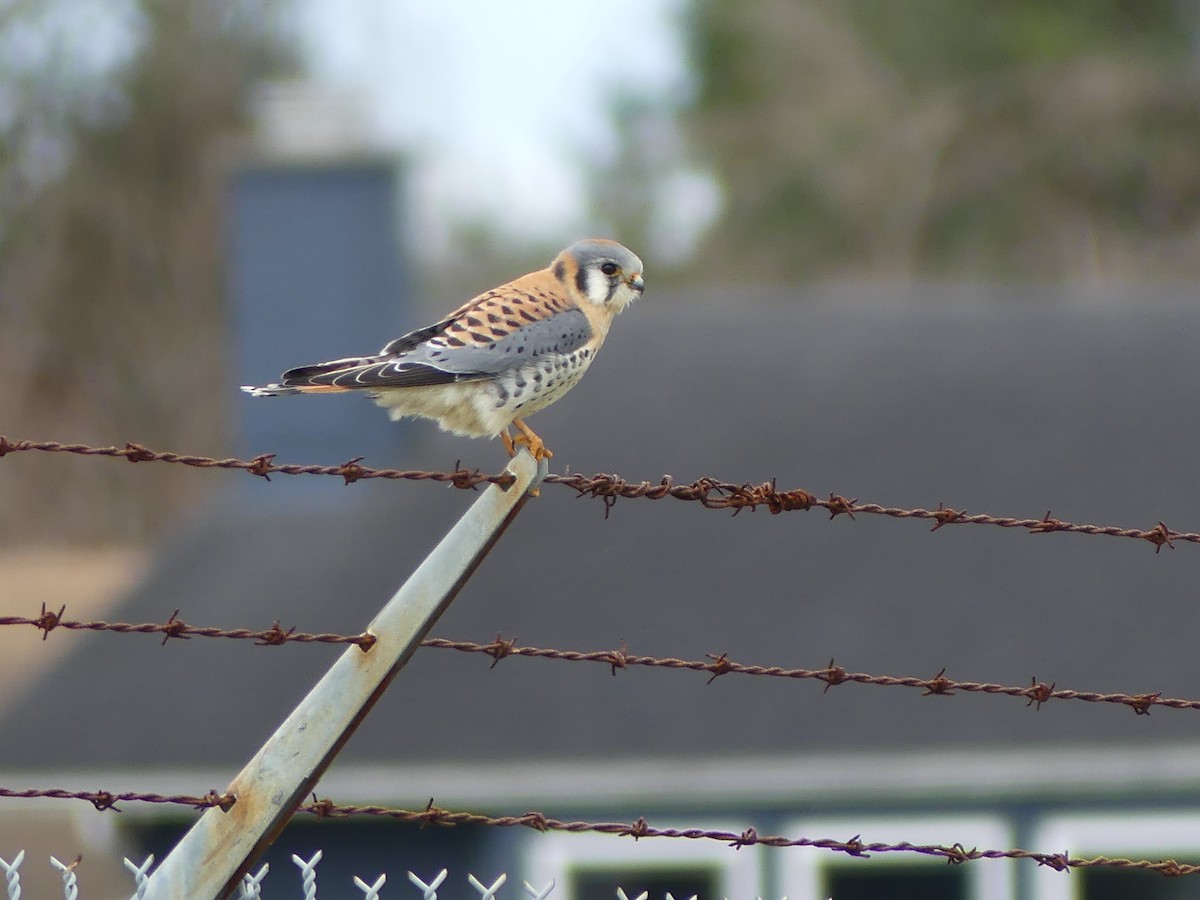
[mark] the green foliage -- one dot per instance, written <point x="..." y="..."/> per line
<point x="950" y="138"/>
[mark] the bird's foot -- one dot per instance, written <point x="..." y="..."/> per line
<point x="529" y="439"/>
<point x="509" y="447"/>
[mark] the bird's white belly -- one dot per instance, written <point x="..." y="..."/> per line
<point x="486" y="407"/>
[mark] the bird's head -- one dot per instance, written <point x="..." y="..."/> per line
<point x="601" y="272"/>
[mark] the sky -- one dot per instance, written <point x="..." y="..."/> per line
<point x="496" y="105"/>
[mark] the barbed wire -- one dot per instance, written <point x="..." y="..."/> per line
<point x="263" y="465"/>
<point x="108" y="800"/>
<point x="434" y="816"/>
<point x="1035" y="693"/>
<point x="48" y="620"/>
<point x="709" y="492"/>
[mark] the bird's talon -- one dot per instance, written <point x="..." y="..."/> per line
<point x="537" y="449"/>
<point x="529" y="438"/>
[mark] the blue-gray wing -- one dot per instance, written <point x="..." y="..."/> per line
<point x="475" y="344"/>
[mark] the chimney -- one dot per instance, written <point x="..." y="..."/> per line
<point x="315" y="273"/>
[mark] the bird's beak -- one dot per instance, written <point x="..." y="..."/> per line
<point x="637" y="283"/>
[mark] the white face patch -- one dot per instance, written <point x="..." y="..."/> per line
<point x="596" y="285"/>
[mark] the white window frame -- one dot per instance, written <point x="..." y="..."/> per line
<point x="1145" y="834"/>
<point x="987" y="879"/>
<point x="553" y="855"/>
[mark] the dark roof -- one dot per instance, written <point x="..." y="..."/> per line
<point x="1014" y="406"/>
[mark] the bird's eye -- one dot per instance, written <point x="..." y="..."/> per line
<point x="609" y="268"/>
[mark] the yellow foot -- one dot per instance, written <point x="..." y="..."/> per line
<point x="527" y="438"/>
<point x="509" y="448"/>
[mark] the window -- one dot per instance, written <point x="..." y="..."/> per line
<point x="888" y="881"/>
<point x="593" y="866"/>
<point x="813" y="874"/>
<point x="1140" y="835"/>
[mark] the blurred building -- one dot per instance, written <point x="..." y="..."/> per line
<point x="1001" y="400"/>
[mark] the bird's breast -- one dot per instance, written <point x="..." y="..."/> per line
<point x="535" y="386"/>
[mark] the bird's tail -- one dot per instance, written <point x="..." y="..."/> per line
<point x="310" y="379"/>
<point x="269" y="390"/>
<point x="287" y="390"/>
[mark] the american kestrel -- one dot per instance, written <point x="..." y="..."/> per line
<point x="503" y="356"/>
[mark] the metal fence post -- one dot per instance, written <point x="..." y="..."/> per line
<point x="210" y="859"/>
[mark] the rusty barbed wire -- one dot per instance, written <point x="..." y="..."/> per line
<point x="1036" y="693"/>
<point x="263" y="465"/>
<point x="709" y="492"/>
<point x="174" y="627"/>
<point x="107" y="800"/>
<point x="955" y="854"/>
<point x="434" y="816"/>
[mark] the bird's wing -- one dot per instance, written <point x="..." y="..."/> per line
<point x="503" y="329"/>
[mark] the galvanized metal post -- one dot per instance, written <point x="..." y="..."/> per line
<point x="209" y="860"/>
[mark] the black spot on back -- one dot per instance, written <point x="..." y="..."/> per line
<point x="560" y="270"/>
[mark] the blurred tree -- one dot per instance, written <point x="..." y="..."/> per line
<point x="641" y="190"/>
<point x="483" y="256"/>
<point x="623" y="187"/>
<point x="110" y="246"/>
<point x="950" y="138"/>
